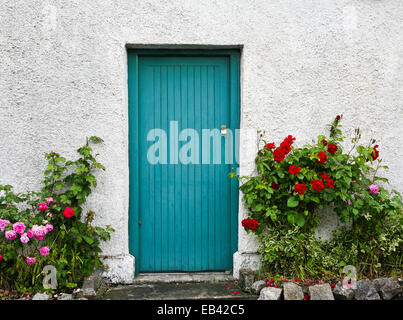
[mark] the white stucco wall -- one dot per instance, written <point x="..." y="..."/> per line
<point x="63" y="76"/>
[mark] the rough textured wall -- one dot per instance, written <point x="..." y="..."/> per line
<point x="63" y="76"/>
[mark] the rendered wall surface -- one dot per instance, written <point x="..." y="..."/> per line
<point x="63" y="76"/>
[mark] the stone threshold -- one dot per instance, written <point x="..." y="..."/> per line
<point x="183" y="277"/>
<point x="223" y="290"/>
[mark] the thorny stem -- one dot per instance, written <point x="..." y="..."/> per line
<point x="376" y="170"/>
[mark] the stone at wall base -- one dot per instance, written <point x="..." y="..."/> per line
<point x="246" y="261"/>
<point x="293" y="291"/>
<point x="94" y="286"/>
<point x="321" y="292"/>
<point x="366" y="291"/>
<point x="257" y="286"/>
<point x="41" y="296"/>
<point x="121" y="269"/>
<point x="342" y="293"/>
<point x="387" y="288"/>
<point x="246" y="279"/>
<point x="270" y="293"/>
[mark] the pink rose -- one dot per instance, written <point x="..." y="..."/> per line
<point x="19" y="227"/>
<point x="374" y="188"/>
<point x="44" y="251"/>
<point x="49" y="200"/>
<point x="49" y="227"/>
<point x="24" y="238"/>
<point x="40" y="234"/>
<point x="43" y="206"/>
<point x="3" y="224"/>
<point x="11" y="235"/>
<point x="1" y="257"/>
<point x="31" y="233"/>
<point x="30" y="260"/>
<point x="40" y="231"/>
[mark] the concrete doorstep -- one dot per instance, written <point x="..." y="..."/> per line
<point x="227" y="290"/>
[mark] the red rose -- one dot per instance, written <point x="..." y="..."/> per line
<point x="286" y="147"/>
<point x="338" y="117"/>
<point x="278" y="155"/>
<point x="294" y="169"/>
<point x="251" y="224"/>
<point x="300" y="188"/>
<point x="275" y="186"/>
<point x="318" y="185"/>
<point x="68" y="212"/>
<point x="375" y="154"/>
<point x="322" y="156"/>
<point x="332" y="148"/>
<point x="324" y="142"/>
<point x="324" y="176"/>
<point x="289" y="139"/>
<point x="330" y="183"/>
<point x="270" y="145"/>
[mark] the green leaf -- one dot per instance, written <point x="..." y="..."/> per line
<point x="300" y="221"/>
<point x="315" y="199"/>
<point x="96" y="139"/>
<point x="292" y="202"/>
<point x="291" y="218"/>
<point x="88" y="240"/>
<point x="259" y="207"/>
<point x="59" y="185"/>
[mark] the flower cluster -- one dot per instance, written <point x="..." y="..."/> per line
<point x="38" y="232"/>
<point x="250" y="224"/>
<point x="300" y="188"/>
<point x="19" y="229"/>
<point x="284" y="149"/>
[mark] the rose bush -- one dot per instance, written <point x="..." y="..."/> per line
<point x="292" y="184"/>
<point x="49" y="227"/>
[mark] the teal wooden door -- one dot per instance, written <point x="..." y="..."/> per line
<point x="183" y="206"/>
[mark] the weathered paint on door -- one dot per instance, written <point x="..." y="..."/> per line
<point x="183" y="217"/>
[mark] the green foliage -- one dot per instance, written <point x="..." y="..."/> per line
<point x="74" y="242"/>
<point x="287" y="215"/>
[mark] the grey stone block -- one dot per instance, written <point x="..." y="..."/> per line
<point x="387" y="288"/>
<point x="41" y="296"/>
<point x="270" y="293"/>
<point x="342" y="293"/>
<point x="366" y="291"/>
<point x="321" y="292"/>
<point x="246" y="279"/>
<point x="292" y="291"/>
<point x="94" y="286"/>
<point x="257" y="286"/>
<point x="65" y="296"/>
